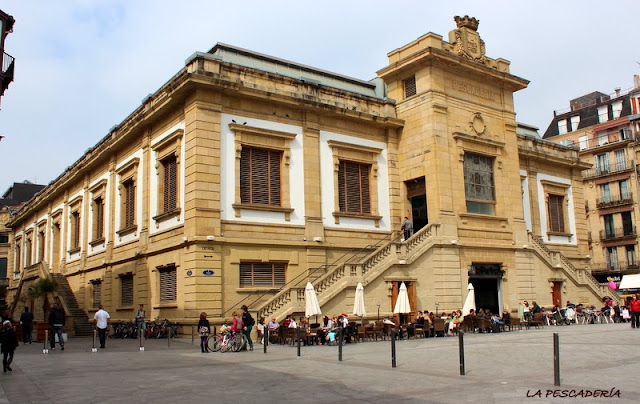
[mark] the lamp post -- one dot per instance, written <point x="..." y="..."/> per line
<point x="378" y="311"/>
<point x="437" y="304"/>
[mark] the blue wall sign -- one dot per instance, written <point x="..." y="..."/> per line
<point x="189" y="273"/>
<point x="207" y="272"/>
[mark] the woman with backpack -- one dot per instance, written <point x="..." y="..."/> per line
<point x="203" y="330"/>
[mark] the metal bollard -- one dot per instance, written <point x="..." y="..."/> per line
<point x="556" y="359"/>
<point x="192" y="334"/>
<point x="46" y="338"/>
<point x="141" y="341"/>
<point x="298" y="339"/>
<point x="340" y="342"/>
<point x="461" y="345"/>
<point x="393" y="348"/>
<point x="266" y="339"/>
<point x="93" y="347"/>
<point x="168" y="338"/>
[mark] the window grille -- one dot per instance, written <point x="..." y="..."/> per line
<point x="168" y="285"/>
<point x="126" y="295"/>
<point x="410" y="87"/>
<point x="260" y="176"/>
<point x="262" y="274"/>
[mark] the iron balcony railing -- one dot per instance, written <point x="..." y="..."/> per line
<point x="611" y="169"/>
<point x="618" y="233"/>
<point x="621" y="266"/>
<point x="614" y="200"/>
<point x="7" y="71"/>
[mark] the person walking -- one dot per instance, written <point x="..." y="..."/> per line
<point x="248" y="323"/>
<point x="140" y="324"/>
<point x="26" y="319"/>
<point x="634" y="308"/>
<point x="101" y="321"/>
<point x="407" y="228"/>
<point x="203" y="330"/>
<point x="9" y="341"/>
<point x="57" y="319"/>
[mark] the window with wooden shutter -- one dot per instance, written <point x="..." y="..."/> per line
<point x="98" y="219"/>
<point x="353" y="187"/>
<point x="129" y="203"/>
<point x="479" y="184"/>
<point x="75" y="231"/>
<point x="260" y="176"/>
<point x="18" y="259"/>
<point x="556" y="213"/>
<point x="170" y="185"/>
<point x="41" y="243"/>
<point x="27" y="252"/>
<point x="97" y="292"/>
<point x="126" y="291"/>
<point x="262" y="274"/>
<point x="168" y="286"/>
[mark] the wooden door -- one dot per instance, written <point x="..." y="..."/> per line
<point x="557" y="293"/>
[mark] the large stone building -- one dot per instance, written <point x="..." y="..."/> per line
<point x="605" y="128"/>
<point x="245" y="176"/>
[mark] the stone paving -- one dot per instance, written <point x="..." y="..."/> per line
<point x="509" y="367"/>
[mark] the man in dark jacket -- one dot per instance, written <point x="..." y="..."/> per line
<point x="248" y="322"/>
<point x="57" y="318"/>
<point x="9" y="342"/>
<point x="26" y="319"/>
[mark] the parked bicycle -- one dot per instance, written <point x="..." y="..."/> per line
<point x="227" y="341"/>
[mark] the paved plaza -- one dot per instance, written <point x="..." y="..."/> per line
<point x="509" y="367"/>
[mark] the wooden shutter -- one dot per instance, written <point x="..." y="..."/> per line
<point x="168" y="284"/>
<point x="262" y="274"/>
<point x="75" y="223"/>
<point x="353" y="188"/>
<point x="260" y="176"/>
<point x="97" y="293"/>
<point x="126" y="284"/>
<point x="556" y="213"/>
<point x="99" y="218"/>
<point x="170" y="183"/>
<point x="129" y="204"/>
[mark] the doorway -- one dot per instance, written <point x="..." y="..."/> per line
<point x="486" y="280"/>
<point x="411" y="291"/>
<point x="556" y="294"/>
<point x="417" y="195"/>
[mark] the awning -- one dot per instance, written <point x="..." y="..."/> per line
<point x="630" y="282"/>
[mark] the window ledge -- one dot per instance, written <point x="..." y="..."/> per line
<point x="558" y="233"/>
<point x="127" y="230"/>
<point x="97" y="242"/>
<point x="124" y="308"/>
<point x="167" y="215"/>
<point x="265" y="208"/>
<point x="375" y="218"/>
<point x="168" y="305"/>
<point x="74" y="250"/>
<point x="253" y="289"/>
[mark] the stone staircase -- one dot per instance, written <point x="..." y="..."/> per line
<point x="327" y="286"/>
<point x="580" y="276"/>
<point x="81" y="323"/>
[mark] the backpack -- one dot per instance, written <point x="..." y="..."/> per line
<point x="239" y="324"/>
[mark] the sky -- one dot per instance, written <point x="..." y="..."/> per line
<point x="82" y="66"/>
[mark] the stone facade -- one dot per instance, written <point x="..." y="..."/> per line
<point x="438" y="110"/>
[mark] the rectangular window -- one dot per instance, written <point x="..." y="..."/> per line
<point x="621" y="161"/>
<point x="631" y="256"/>
<point x="603" y="113"/>
<point x="409" y="87"/>
<point x="624" y="190"/>
<point x="478" y="184"/>
<point x="616" y="109"/>
<point x="4" y="238"/>
<point x="260" y="176"/>
<point x="602" y="163"/>
<point x="262" y="274"/>
<point x="612" y="257"/>
<point x="41" y="243"/>
<point x="97" y="292"/>
<point x="3" y="268"/>
<point x="584" y="142"/>
<point x="609" y="229"/>
<point x="354" y="195"/>
<point x="18" y="257"/>
<point x="98" y="219"/>
<point x="129" y="208"/>
<point x="168" y="279"/>
<point x="575" y="122"/>
<point x="627" y="224"/>
<point x="605" y="191"/>
<point x="27" y="252"/>
<point x="75" y="230"/>
<point x="126" y="290"/>
<point x="562" y="127"/>
<point x="556" y="213"/>
<point x="170" y="183"/>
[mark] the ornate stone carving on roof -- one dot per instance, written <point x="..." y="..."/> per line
<point x="466" y="41"/>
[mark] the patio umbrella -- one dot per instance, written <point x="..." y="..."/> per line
<point x="312" y="308"/>
<point x="470" y="302"/>
<point x="358" y="303"/>
<point x="402" y="303"/>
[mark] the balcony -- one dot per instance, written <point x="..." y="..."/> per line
<point x="6" y="75"/>
<point x="614" y="201"/>
<point x="604" y="171"/>
<point x="608" y="268"/>
<point x="620" y="233"/>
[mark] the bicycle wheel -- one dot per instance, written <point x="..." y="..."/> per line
<point x="214" y="342"/>
<point x="240" y="342"/>
<point x="226" y="344"/>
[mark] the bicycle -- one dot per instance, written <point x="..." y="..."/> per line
<point x="227" y="341"/>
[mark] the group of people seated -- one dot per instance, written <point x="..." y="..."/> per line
<point x="324" y="333"/>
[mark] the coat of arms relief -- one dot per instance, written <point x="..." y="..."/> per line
<point x="466" y="41"/>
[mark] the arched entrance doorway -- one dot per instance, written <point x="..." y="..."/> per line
<point x="487" y="282"/>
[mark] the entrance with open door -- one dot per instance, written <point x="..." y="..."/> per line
<point x="417" y="195"/>
<point x="487" y="281"/>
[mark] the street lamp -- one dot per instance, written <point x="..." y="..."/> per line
<point x="378" y="311"/>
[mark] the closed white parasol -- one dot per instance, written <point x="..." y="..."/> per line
<point x="358" y="303"/>
<point x="312" y="308"/>
<point x="470" y="302"/>
<point x="402" y="304"/>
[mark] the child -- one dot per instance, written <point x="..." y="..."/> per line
<point x="203" y="330"/>
<point x="9" y="342"/>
